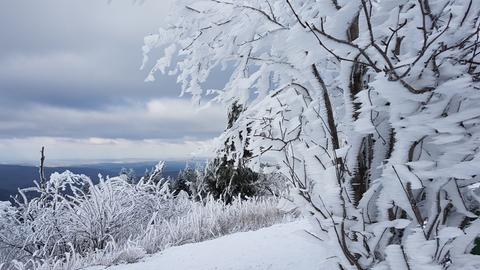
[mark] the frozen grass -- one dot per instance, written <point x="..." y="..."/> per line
<point x="192" y="221"/>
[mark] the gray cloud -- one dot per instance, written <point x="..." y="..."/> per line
<point x="159" y="118"/>
<point x="54" y="51"/>
<point x="70" y="69"/>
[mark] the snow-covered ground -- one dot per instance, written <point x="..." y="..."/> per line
<point x="280" y="247"/>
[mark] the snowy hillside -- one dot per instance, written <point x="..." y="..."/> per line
<point x="280" y="247"/>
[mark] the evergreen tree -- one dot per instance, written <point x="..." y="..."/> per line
<point x="183" y="181"/>
<point x="227" y="177"/>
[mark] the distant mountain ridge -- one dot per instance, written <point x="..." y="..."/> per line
<point x="13" y="177"/>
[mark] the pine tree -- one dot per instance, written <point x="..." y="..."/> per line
<point x="227" y="177"/>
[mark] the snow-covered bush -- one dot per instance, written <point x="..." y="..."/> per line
<point x="196" y="222"/>
<point x="370" y="108"/>
<point x="72" y="222"/>
<point x="70" y="213"/>
<point x="209" y="219"/>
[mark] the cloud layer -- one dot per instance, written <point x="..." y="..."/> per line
<point x="70" y="78"/>
<point x="68" y="151"/>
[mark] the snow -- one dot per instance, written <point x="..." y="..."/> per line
<point x="280" y="247"/>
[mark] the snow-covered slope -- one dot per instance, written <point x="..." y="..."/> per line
<point x="280" y="247"/>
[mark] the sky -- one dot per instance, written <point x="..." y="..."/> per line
<point x="70" y="81"/>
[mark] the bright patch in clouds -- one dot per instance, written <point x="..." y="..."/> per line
<point x="180" y="109"/>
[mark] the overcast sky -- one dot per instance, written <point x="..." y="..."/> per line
<point x="70" y="80"/>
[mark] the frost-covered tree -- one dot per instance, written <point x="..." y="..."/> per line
<point x="225" y="180"/>
<point x="227" y="177"/>
<point x="130" y="175"/>
<point x="184" y="181"/>
<point x="369" y="107"/>
<point x="155" y="175"/>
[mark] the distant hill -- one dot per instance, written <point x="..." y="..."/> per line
<point x="13" y="177"/>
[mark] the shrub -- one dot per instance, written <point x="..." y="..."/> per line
<point x="73" y="223"/>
